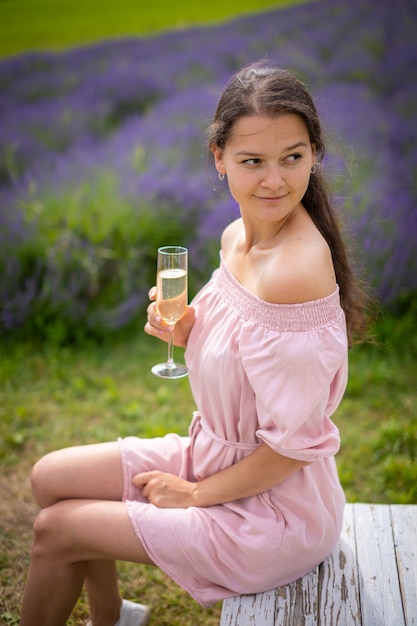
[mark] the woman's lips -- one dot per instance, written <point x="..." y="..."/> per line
<point x="272" y="198"/>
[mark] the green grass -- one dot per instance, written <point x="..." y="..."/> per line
<point x="52" y="397"/>
<point x="57" y="24"/>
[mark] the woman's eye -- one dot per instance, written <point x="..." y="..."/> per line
<point x="293" y="157"/>
<point x="252" y="161"/>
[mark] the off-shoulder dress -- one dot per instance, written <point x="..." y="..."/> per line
<point x="259" y="372"/>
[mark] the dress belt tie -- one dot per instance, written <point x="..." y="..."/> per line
<point x="199" y="423"/>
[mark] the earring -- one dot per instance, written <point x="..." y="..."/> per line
<point x="313" y="169"/>
<point x="221" y="176"/>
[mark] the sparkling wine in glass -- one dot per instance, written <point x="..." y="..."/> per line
<point x="171" y="301"/>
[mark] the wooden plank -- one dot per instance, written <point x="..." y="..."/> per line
<point x="339" y="585"/>
<point x="370" y="578"/>
<point x="249" y="610"/>
<point x="404" y="524"/>
<point x="379" y="588"/>
<point x="297" y="603"/>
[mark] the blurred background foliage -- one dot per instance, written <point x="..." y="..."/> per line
<point x="103" y="158"/>
<point x="58" y="24"/>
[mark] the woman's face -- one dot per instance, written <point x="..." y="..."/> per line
<point x="268" y="164"/>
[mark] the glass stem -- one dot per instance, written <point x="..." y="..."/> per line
<point x="170" y="362"/>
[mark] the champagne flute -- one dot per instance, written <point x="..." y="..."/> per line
<point x="171" y="301"/>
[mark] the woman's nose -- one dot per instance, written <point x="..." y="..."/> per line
<point x="272" y="178"/>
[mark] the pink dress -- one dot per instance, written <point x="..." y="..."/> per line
<point x="259" y="372"/>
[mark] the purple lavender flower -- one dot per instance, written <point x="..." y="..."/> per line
<point x="103" y="156"/>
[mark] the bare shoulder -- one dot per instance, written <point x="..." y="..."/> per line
<point x="230" y="235"/>
<point x="300" y="271"/>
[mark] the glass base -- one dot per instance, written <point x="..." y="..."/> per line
<point x="163" y="370"/>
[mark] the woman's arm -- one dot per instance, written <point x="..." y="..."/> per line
<point x="259" y="471"/>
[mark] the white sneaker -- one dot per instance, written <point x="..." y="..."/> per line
<point x="132" y="614"/>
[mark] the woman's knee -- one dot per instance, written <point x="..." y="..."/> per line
<point x="43" y="480"/>
<point x="47" y="533"/>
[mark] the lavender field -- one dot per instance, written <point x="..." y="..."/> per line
<point x="103" y="156"/>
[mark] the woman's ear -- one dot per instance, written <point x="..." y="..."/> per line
<point x="218" y="159"/>
<point x="314" y="151"/>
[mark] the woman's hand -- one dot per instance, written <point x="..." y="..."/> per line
<point x="156" y="327"/>
<point x="164" y="490"/>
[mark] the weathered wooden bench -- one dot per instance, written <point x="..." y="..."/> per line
<point x="370" y="578"/>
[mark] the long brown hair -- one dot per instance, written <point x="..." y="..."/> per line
<point x="263" y="89"/>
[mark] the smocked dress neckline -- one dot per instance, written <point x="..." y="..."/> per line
<point x="249" y="307"/>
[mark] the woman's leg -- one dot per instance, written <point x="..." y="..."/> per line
<point x="93" y="472"/>
<point x="66" y="484"/>
<point x="101" y="584"/>
<point x="67" y="536"/>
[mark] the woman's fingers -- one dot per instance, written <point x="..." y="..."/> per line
<point x="155" y="325"/>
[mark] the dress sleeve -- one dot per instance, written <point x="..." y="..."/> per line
<point x="298" y="379"/>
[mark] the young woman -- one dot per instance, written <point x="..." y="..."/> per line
<point x="251" y="500"/>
